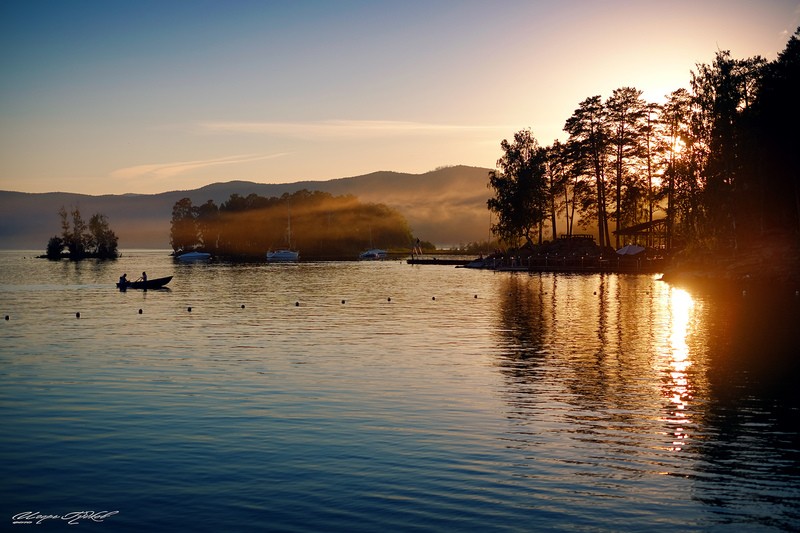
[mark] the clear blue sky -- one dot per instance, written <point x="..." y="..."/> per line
<point x="109" y="97"/>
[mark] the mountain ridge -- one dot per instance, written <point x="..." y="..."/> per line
<point x="444" y="206"/>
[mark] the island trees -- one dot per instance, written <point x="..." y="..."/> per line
<point x="82" y="240"/>
<point x="322" y="225"/>
<point x="183" y="234"/>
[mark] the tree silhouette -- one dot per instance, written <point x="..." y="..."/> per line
<point x="521" y="198"/>
<point x="587" y="147"/>
<point x="95" y="239"/>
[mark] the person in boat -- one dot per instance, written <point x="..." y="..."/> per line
<point x="123" y="281"/>
<point x="144" y="277"/>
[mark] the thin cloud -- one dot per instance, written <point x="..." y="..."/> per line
<point x="340" y="128"/>
<point x="169" y="170"/>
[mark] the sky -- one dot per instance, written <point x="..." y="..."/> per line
<point x="112" y="96"/>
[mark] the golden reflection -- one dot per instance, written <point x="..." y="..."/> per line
<point x="678" y="388"/>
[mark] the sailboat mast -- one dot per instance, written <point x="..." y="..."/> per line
<point x="288" y="224"/>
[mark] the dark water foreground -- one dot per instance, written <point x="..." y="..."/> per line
<point x="390" y="397"/>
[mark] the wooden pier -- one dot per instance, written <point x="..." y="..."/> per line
<point x="564" y="265"/>
<point x="438" y="261"/>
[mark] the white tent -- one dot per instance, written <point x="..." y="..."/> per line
<point x="631" y="249"/>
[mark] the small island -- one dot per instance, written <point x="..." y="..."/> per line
<point x="79" y="240"/>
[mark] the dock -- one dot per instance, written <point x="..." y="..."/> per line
<point x="439" y="261"/>
<point x="563" y="265"/>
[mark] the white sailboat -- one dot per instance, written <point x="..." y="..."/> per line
<point x="373" y="254"/>
<point x="193" y="257"/>
<point x="285" y="255"/>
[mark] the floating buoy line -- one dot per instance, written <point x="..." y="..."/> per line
<point x="389" y="299"/>
<point x="297" y="303"/>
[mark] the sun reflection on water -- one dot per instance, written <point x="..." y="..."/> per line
<point x="678" y="387"/>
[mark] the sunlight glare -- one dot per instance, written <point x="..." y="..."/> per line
<point x="678" y="389"/>
<point x="677" y="146"/>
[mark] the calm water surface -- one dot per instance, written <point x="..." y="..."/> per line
<point x="388" y="397"/>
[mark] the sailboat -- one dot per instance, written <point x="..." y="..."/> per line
<point x="285" y="255"/>
<point x="373" y="254"/>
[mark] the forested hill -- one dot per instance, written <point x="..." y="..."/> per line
<point x="444" y="206"/>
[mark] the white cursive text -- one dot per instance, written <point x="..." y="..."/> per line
<point x="73" y="518"/>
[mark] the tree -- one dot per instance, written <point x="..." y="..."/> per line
<point x="625" y="112"/>
<point x="722" y="93"/>
<point x="183" y="234"/>
<point x="558" y="187"/>
<point x="772" y="121"/>
<point x="653" y="148"/>
<point x="587" y="148"/>
<point x="95" y="239"/>
<point x="102" y="240"/>
<point x="679" y="188"/>
<point x="521" y="200"/>
<point x="79" y="237"/>
<point x="54" y="248"/>
<point x="207" y="223"/>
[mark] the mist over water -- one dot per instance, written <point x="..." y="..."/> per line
<point x="357" y="396"/>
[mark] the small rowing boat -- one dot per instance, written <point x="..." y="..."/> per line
<point x="157" y="283"/>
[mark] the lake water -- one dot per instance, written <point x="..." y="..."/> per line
<point x="388" y="397"/>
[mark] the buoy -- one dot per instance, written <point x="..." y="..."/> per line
<point x="242" y="306"/>
<point x="342" y="302"/>
<point x="433" y="298"/>
<point x="140" y="311"/>
<point x="77" y="315"/>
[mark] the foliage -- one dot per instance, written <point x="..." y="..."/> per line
<point x="520" y="200"/>
<point x="627" y="115"/>
<point x="720" y="160"/>
<point x="319" y="224"/>
<point x="183" y="233"/>
<point x="54" y="247"/>
<point x="82" y="240"/>
<point x="588" y="153"/>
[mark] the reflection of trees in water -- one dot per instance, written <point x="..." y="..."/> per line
<point x="522" y="317"/>
<point x="600" y="335"/>
<point x="602" y="351"/>
<point x="751" y="425"/>
<point x="581" y="333"/>
<point x="627" y="377"/>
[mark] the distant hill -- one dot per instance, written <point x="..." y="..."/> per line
<point x="444" y="206"/>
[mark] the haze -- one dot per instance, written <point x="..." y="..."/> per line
<point x="117" y="97"/>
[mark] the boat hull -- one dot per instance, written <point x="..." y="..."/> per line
<point x="283" y="256"/>
<point x="373" y="255"/>
<point x="192" y="257"/>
